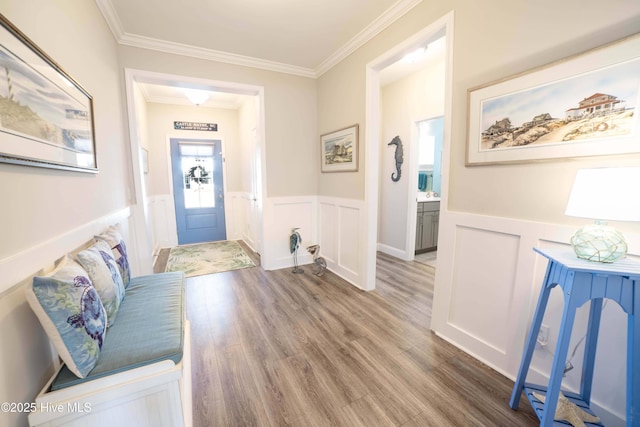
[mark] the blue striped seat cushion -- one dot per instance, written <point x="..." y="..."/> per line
<point x="149" y="329"/>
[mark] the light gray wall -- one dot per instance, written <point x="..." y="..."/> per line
<point x="492" y="40"/>
<point x="160" y="125"/>
<point x="292" y="146"/>
<point x="41" y="204"/>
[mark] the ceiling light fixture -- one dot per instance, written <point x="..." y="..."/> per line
<point x="196" y="97"/>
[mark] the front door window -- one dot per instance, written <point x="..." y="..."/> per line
<point x="197" y="167"/>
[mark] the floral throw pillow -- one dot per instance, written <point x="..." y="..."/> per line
<point x="105" y="275"/>
<point x="114" y="239"/>
<point x="72" y="315"/>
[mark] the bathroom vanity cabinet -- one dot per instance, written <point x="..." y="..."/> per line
<point x="427" y="226"/>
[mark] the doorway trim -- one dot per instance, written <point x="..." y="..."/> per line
<point x="137" y="195"/>
<point x="372" y="139"/>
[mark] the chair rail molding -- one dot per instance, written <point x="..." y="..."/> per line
<point x="18" y="267"/>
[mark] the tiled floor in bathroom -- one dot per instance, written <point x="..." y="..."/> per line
<point x="427" y="258"/>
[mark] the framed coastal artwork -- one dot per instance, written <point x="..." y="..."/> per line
<point x="586" y="105"/>
<point x="46" y="117"/>
<point x="339" y="150"/>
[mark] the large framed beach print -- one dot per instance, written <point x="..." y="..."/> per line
<point x="46" y="117"/>
<point x="587" y="105"/>
<point x="339" y="150"/>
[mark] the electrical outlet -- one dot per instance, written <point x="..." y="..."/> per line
<point x="543" y="335"/>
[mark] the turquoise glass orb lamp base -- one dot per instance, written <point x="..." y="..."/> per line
<point x="599" y="242"/>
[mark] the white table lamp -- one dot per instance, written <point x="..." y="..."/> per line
<point x="603" y="194"/>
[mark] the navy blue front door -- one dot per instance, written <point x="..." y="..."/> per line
<point x="198" y="190"/>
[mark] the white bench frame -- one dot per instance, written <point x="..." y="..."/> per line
<point x="153" y="395"/>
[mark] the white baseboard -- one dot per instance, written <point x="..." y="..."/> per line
<point x="395" y="252"/>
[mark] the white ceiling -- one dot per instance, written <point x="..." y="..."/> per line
<point x="301" y="37"/>
<point x="304" y="37"/>
<point x="434" y="52"/>
<point x="173" y="95"/>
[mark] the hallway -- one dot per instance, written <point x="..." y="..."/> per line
<point x="271" y="348"/>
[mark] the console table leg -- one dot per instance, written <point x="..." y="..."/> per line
<point x="633" y="362"/>
<point x="531" y="340"/>
<point x="559" y="359"/>
<point x="590" y="345"/>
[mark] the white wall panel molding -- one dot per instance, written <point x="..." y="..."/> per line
<point x="18" y="267"/>
<point x="466" y="243"/>
<point x="281" y="214"/>
<point x="235" y="214"/>
<point x="487" y="285"/>
<point x="243" y="206"/>
<point x="341" y="233"/>
<point x="163" y="222"/>
<point x="335" y="224"/>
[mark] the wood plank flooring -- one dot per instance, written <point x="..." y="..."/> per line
<point x="273" y="348"/>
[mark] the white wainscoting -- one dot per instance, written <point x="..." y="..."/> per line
<point x="236" y="208"/>
<point x="335" y="224"/>
<point x="162" y="215"/>
<point x="487" y="285"/>
<point x="280" y="215"/>
<point x="341" y="229"/>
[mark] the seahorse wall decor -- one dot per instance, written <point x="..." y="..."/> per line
<point x="395" y="176"/>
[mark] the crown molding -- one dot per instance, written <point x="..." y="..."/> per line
<point x="213" y="55"/>
<point x="390" y="16"/>
<point x="376" y="27"/>
<point x="110" y="15"/>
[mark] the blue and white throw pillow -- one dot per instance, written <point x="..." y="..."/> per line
<point x="105" y="275"/>
<point x="72" y="315"/>
<point x="114" y="239"/>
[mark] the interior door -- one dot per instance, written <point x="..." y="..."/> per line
<point x="198" y="190"/>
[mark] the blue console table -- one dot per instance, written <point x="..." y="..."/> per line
<point x="583" y="281"/>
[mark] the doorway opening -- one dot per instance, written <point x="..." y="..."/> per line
<point x="440" y="28"/>
<point x="430" y="140"/>
<point x="152" y="214"/>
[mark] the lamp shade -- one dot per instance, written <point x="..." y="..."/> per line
<point x="606" y="194"/>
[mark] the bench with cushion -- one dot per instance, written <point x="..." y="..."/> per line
<point x="126" y="362"/>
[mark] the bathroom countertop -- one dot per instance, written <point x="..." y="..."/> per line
<point x="423" y="198"/>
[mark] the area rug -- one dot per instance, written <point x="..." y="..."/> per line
<point x="208" y="258"/>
